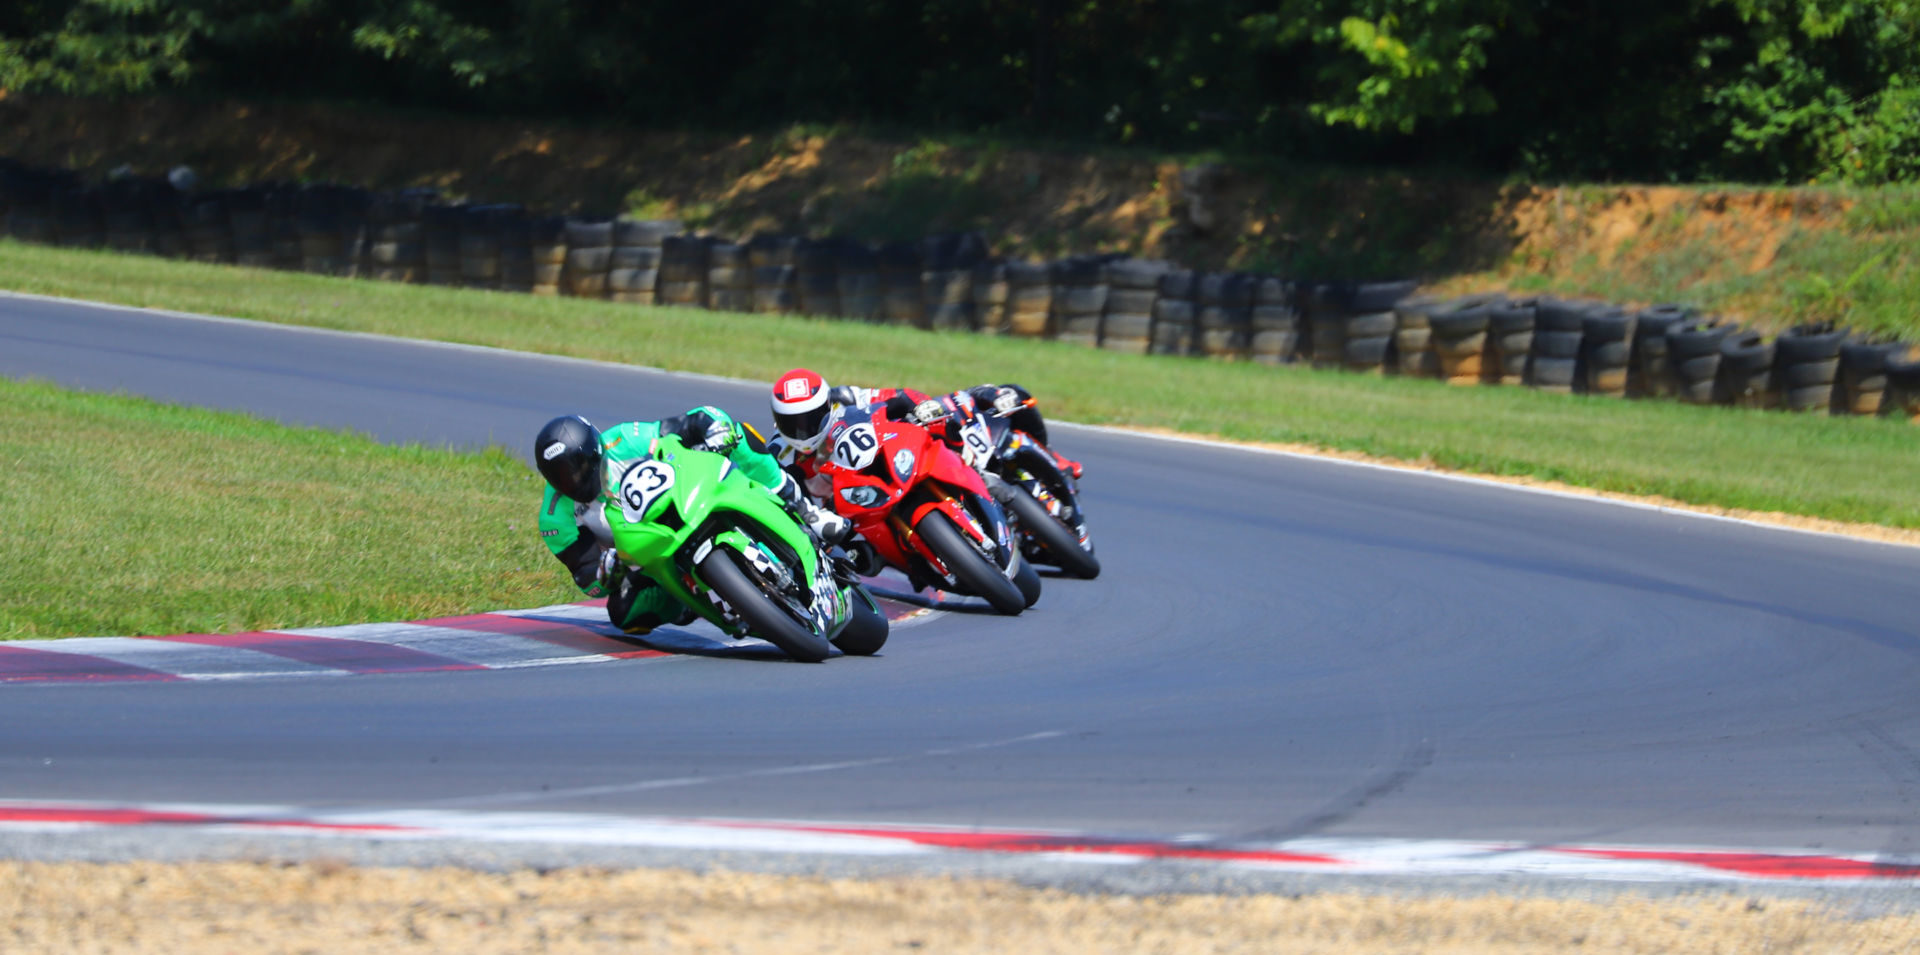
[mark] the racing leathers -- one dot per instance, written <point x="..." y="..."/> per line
<point x="906" y="404"/>
<point x="580" y="537"/>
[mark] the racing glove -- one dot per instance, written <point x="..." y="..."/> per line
<point x="609" y="569"/>
<point x="707" y="432"/>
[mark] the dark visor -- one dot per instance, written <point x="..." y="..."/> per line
<point x="801" y="425"/>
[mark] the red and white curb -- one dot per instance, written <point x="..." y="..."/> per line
<point x="1366" y="857"/>
<point x="508" y="639"/>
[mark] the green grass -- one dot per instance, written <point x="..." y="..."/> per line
<point x="1844" y="469"/>
<point x="125" y="516"/>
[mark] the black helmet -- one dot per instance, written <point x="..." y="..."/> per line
<point x="567" y="452"/>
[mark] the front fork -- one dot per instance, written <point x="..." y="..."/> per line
<point x="996" y="547"/>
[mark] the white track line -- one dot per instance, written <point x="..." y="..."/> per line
<point x="501" y="799"/>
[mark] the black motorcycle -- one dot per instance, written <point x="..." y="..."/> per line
<point x="1043" y="500"/>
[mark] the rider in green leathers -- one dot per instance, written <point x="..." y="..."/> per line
<point x="583" y="465"/>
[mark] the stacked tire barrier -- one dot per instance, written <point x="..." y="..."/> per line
<point x="1509" y="342"/>
<point x="1746" y="364"/>
<point x="1274" y="326"/>
<point x="816" y="278"/>
<point x="589" y="258"/>
<point x="1029" y="300"/>
<point x="729" y="278"/>
<point x="857" y="280"/>
<point x="952" y="282"/>
<point x="684" y="266"/>
<point x="131" y="213"/>
<point x="772" y="260"/>
<point x="252" y="229"/>
<point x="396" y="245"/>
<point x="549" y="253"/>
<point x="1693" y="349"/>
<point x="1367" y="326"/>
<point x="1173" y="313"/>
<point x="1863" y="376"/>
<point x="1351" y="326"/>
<point x="1650" y="367"/>
<point x="901" y="268"/>
<point x="209" y="236"/>
<point x="1132" y="286"/>
<point x="948" y="266"/>
<point x="1805" y="367"/>
<point x="1553" y="355"/>
<point x="1413" y="339"/>
<point x="29" y="200"/>
<point x="1223" y="323"/>
<point x="992" y="297"/>
<point x="1606" y="346"/>
<point x="1903" y="390"/>
<point x="79" y="218"/>
<point x="480" y="244"/>
<point x="633" y="267"/>
<point x="516" y="251"/>
<point x="440" y="228"/>
<point x="1459" y="341"/>
<point x="331" y="224"/>
<point x="1079" y="299"/>
<point x="1325" y="344"/>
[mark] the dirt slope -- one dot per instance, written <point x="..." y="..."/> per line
<point x="1241" y="214"/>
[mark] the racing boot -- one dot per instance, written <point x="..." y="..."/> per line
<point x="636" y="605"/>
<point x="864" y="560"/>
<point x="831" y="528"/>
<point x="1065" y="464"/>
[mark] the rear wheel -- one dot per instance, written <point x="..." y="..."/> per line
<point x="866" y="633"/>
<point x="1060" y="544"/>
<point x="969" y="566"/>
<point x="764" y="618"/>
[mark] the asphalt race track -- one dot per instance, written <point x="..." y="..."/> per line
<point x="1278" y="648"/>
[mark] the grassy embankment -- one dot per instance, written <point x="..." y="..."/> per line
<point x="125" y="516"/>
<point x="1772" y="256"/>
<point x="1842" y="469"/>
<point x="1769" y="257"/>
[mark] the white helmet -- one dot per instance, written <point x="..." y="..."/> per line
<point x="801" y="406"/>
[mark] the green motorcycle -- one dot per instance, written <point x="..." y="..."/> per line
<point x="726" y="547"/>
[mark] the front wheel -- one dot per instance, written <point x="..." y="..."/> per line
<point x="866" y="632"/>
<point x="974" y="571"/>
<point x="1028" y="580"/>
<point x="1060" y="544"/>
<point x="763" y="618"/>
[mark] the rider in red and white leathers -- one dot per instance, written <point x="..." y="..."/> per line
<point x="805" y="407"/>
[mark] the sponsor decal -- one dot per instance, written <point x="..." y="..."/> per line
<point x="796" y="389"/>
<point x="554" y="450"/>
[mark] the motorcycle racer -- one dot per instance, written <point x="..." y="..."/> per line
<point x="581" y="464"/>
<point x="805" y="407"/>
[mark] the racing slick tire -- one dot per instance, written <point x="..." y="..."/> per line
<point x="1060" y="544"/>
<point x="866" y="633"/>
<point x="764" y="618"/>
<point x="969" y="566"/>
<point x="1027" y="578"/>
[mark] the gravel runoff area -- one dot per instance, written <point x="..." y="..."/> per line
<point x="187" y="895"/>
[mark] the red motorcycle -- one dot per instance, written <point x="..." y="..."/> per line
<point x="924" y="510"/>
